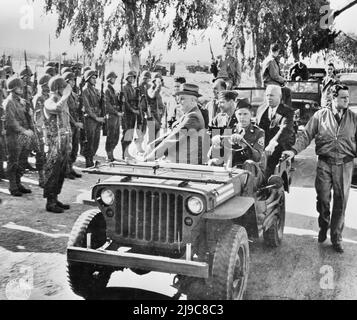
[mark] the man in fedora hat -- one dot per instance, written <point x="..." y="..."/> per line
<point x="227" y="68"/>
<point x="93" y="120"/>
<point x="184" y="143"/>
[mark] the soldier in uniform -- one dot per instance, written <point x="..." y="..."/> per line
<point x="155" y="102"/>
<point x="131" y="112"/>
<point x="19" y="135"/>
<point x="173" y="110"/>
<point x="58" y="138"/>
<point x="113" y="116"/>
<point x="227" y="68"/>
<point x="93" y="120"/>
<point x="145" y="109"/>
<point x="75" y="113"/>
<point x="39" y="119"/>
<point x="246" y="141"/>
<point x="213" y="105"/>
<point x="9" y="71"/>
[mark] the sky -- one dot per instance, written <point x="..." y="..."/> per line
<point x="18" y="32"/>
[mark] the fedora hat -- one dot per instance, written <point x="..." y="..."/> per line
<point x="188" y="89"/>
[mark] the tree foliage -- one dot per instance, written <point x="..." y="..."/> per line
<point x="131" y="23"/>
<point x="346" y="48"/>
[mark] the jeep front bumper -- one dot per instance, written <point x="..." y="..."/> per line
<point x="138" y="261"/>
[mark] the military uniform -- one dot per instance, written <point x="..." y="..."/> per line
<point x="91" y="104"/>
<point x="39" y="120"/>
<point x="255" y="136"/>
<point x="227" y="69"/>
<point x="76" y="116"/>
<point x="113" y="121"/>
<point x="18" y="143"/>
<point x="58" y="131"/>
<point x="131" y="113"/>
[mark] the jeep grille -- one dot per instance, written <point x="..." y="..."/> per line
<point x="149" y="216"/>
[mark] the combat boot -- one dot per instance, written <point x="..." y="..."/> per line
<point x="110" y="156"/>
<point x="89" y="163"/>
<point x="13" y="187"/>
<point x="41" y="179"/>
<point x="52" y="206"/>
<point x="62" y="205"/>
<point x="20" y="187"/>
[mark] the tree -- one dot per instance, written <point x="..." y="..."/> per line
<point x="293" y="24"/>
<point x="346" y="48"/>
<point x="130" y="23"/>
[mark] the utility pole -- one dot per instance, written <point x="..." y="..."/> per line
<point x="49" y="47"/>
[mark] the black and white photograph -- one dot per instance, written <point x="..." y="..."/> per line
<point x="179" y="151"/>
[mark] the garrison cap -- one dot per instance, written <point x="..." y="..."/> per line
<point x="13" y="83"/>
<point x="244" y="104"/>
<point x="57" y="83"/>
<point x="45" y="79"/>
<point x="89" y="74"/>
<point x="67" y="76"/>
<point x="111" y="75"/>
<point x="228" y="95"/>
<point x="26" y="72"/>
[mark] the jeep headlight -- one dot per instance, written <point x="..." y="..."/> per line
<point x="307" y="106"/>
<point x="195" y="205"/>
<point x="107" y="197"/>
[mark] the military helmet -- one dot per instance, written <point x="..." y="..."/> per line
<point x="50" y="71"/>
<point x="130" y="74"/>
<point x="65" y="70"/>
<point x="45" y="79"/>
<point x="157" y="75"/>
<point x="13" y="83"/>
<point x="146" y="75"/>
<point x="51" y="64"/>
<point x="85" y="69"/>
<point x="57" y="83"/>
<point x="111" y="75"/>
<point x="89" y="74"/>
<point x="8" y="70"/>
<point x="26" y="72"/>
<point x="68" y="76"/>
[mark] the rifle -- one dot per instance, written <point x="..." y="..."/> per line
<point x="28" y="106"/>
<point x="102" y="104"/>
<point x="140" y="118"/>
<point x="82" y="113"/>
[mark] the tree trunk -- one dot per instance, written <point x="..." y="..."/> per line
<point x="257" y="62"/>
<point x="135" y="61"/>
<point x="295" y="48"/>
<point x="338" y="12"/>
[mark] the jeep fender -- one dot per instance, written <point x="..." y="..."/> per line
<point x="233" y="208"/>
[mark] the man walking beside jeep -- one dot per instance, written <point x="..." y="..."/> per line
<point x="334" y="130"/>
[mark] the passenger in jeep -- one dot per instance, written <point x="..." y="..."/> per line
<point x="245" y="147"/>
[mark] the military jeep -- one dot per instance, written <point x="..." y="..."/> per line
<point x="193" y="221"/>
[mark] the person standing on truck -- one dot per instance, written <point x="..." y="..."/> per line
<point x="327" y="83"/>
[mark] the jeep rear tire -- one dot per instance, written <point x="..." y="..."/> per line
<point x="274" y="235"/>
<point x="231" y="265"/>
<point x="88" y="280"/>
